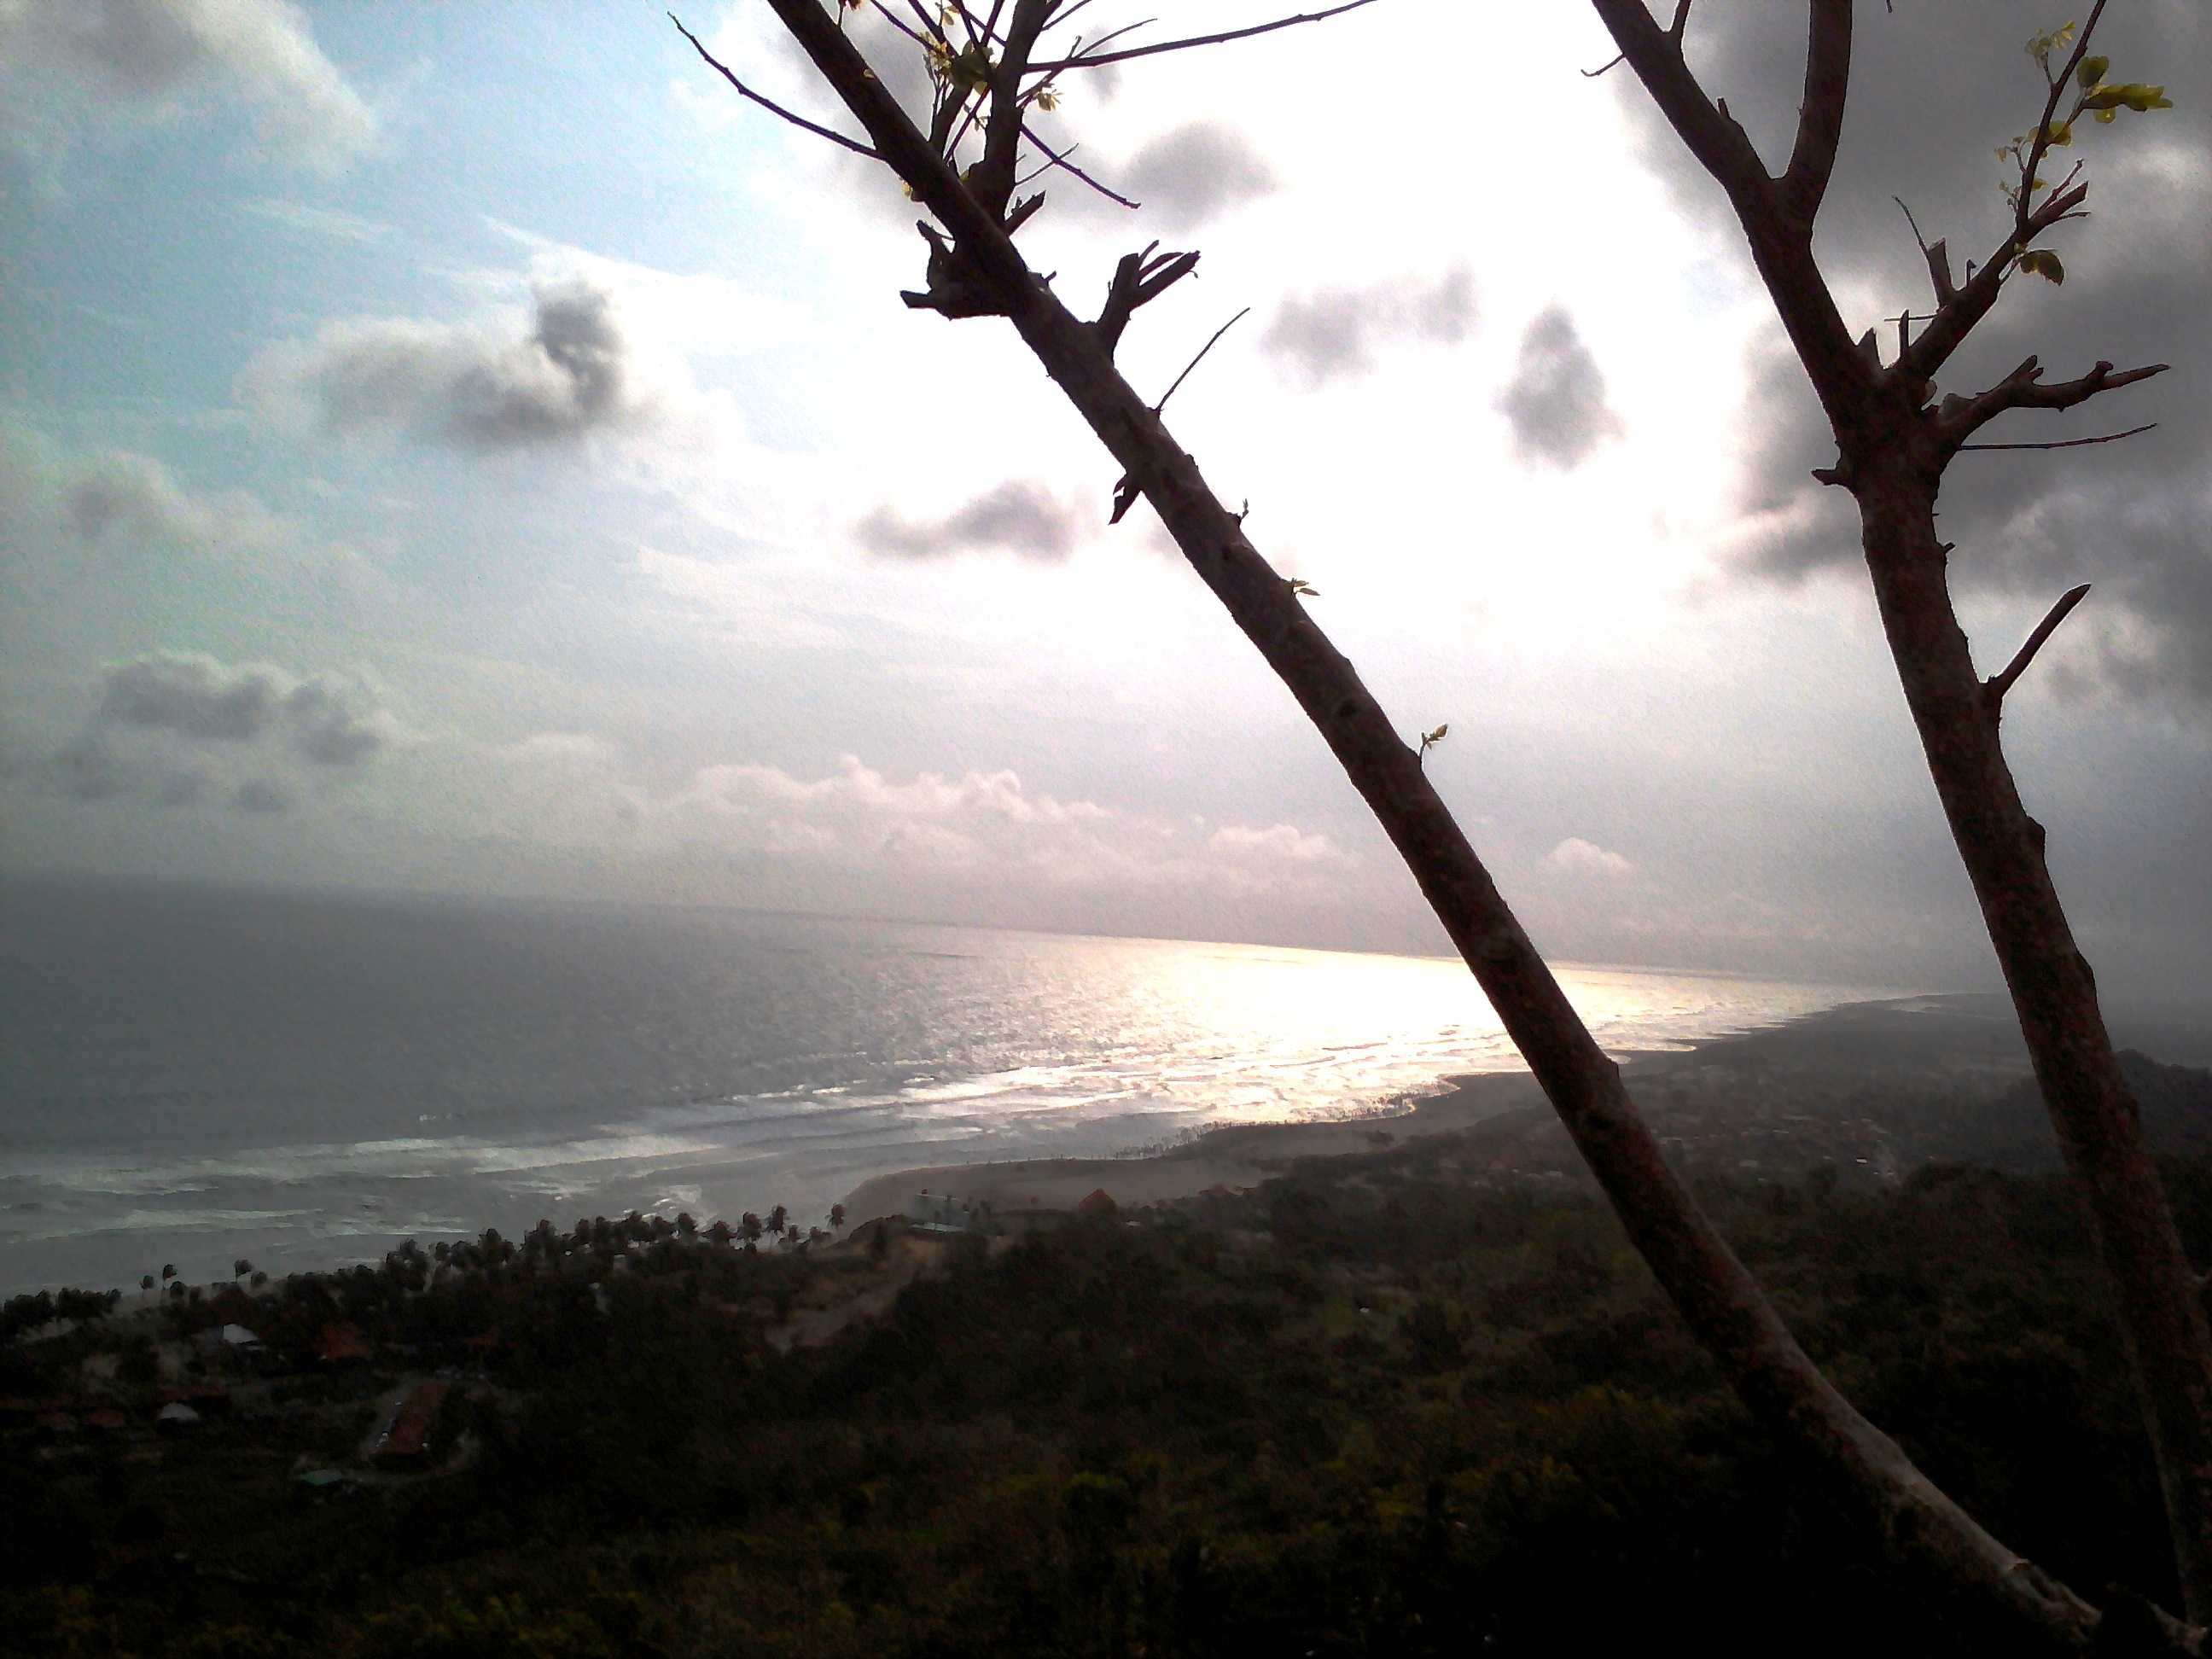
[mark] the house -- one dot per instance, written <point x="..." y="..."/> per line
<point x="341" y="1345"/>
<point x="1100" y="1202"/>
<point x="937" y="1213"/>
<point x="175" y="1418"/>
<point x="405" y="1442"/>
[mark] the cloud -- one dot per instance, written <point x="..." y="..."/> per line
<point x="565" y="371"/>
<point x="260" y="795"/>
<point x="117" y="495"/>
<point x="1017" y="517"/>
<point x="168" y="724"/>
<point x="1582" y="858"/>
<point x="1194" y="173"/>
<point x="327" y="222"/>
<point x="326" y="719"/>
<point x="87" y="769"/>
<point x="1555" y="402"/>
<point x="1336" y="331"/>
<point x="1935" y="89"/>
<point x="1285" y="841"/>
<point x="71" y="70"/>
<point x="983" y="830"/>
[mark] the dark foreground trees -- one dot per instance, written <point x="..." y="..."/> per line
<point x="962" y="162"/>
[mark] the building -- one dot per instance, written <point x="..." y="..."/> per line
<point x="405" y="1442"/>
<point x="938" y="1212"/>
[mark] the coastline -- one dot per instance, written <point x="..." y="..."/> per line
<point x="1853" y="1041"/>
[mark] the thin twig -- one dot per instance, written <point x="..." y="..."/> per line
<point x="2069" y="443"/>
<point x="1617" y="59"/>
<point x="1059" y="160"/>
<point x="1094" y="60"/>
<point x="770" y="103"/>
<point x="1995" y="689"/>
<point x="1938" y="257"/>
<point x="1200" y="358"/>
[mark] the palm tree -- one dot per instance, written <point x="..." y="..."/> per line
<point x="837" y="1217"/>
<point x="239" y="1268"/>
<point x="776" y="1217"/>
<point x="146" y="1283"/>
<point x="168" y="1273"/>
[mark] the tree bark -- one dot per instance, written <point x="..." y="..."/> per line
<point x="2053" y="992"/>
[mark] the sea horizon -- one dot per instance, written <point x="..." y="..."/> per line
<point x="195" y="1072"/>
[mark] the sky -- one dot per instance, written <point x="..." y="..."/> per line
<point x="468" y="449"/>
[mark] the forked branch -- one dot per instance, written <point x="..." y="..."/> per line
<point x="1957" y="418"/>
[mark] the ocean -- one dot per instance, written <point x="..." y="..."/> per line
<point x="192" y="1075"/>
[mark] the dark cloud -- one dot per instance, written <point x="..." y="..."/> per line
<point x="1017" y="517"/>
<point x="87" y="769"/>
<point x="1335" y="331"/>
<point x="571" y="374"/>
<point x="161" y="715"/>
<point x="261" y="796"/>
<point x="195" y="695"/>
<point x="1936" y="88"/>
<point x="1185" y="177"/>
<point x="59" y="63"/>
<point x="1555" y="401"/>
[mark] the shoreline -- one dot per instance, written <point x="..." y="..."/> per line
<point x="1915" y="1033"/>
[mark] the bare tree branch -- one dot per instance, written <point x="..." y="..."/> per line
<point x="1138" y="279"/>
<point x="1094" y="59"/>
<point x="2067" y="443"/>
<point x="770" y="103"/>
<point x="1937" y="254"/>
<point x="1195" y="362"/>
<point x="1958" y="418"/>
<point x="1956" y="317"/>
<point x="1820" y="117"/>
<point x="1059" y="160"/>
<point x="993" y="176"/>
<point x="1996" y="687"/>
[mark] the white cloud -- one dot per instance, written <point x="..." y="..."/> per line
<point x="1278" y="841"/>
<point x="1575" y="857"/>
<point x="328" y="222"/>
<point x="70" y="70"/>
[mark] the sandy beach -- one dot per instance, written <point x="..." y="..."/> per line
<point x="1238" y="1155"/>
<point x="1954" y="1046"/>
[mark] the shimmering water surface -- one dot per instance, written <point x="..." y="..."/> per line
<point x="190" y="1075"/>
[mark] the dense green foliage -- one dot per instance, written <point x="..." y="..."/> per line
<point x="1360" y="1411"/>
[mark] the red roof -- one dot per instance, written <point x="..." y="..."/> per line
<point x="1101" y="1202"/>
<point x="339" y="1344"/>
<point x="408" y="1432"/>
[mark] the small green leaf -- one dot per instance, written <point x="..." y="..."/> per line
<point x="2092" y="71"/>
<point x="2060" y="133"/>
